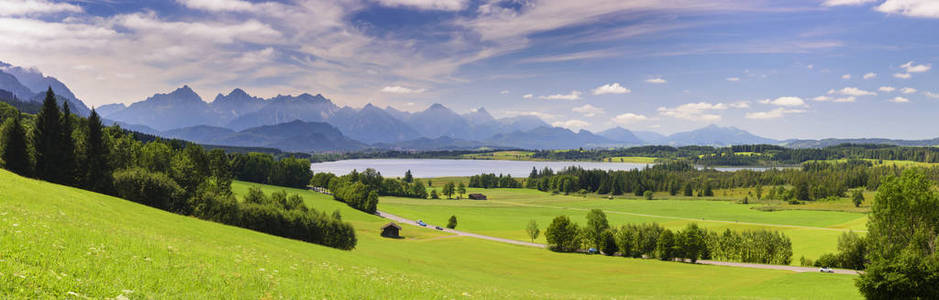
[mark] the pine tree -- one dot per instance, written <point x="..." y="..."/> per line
<point x="15" y="151"/>
<point x="97" y="169"/>
<point x="68" y="162"/>
<point x="46" y="138"/>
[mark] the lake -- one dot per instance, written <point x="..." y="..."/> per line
<point x="427" y="168"/>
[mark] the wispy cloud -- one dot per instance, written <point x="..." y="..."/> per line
<point x="772" y="114"/>
<point x="845" y="2"/>
<point x="911" y="8"/>
<point x="401" y="90"/>
<point x="852" y="91"/>
<point x="629" y="118"/>
<point x="899" y="99"/>
<point x="870" y="75"/>
<point x="657" y="80"/>
<point x="785" y="101"/>
<point x="700" y="111"/>
<point x="588" y="110"/>
<point x="573" y="95"/>
<point x="35" y="7"/>
<point x="571" y="124"/>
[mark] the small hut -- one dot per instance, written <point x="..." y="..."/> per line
<point x="477" y="196"/>
<point x="391" y="230"/>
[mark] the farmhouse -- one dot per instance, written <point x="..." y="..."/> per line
<point x="477" y="196"/>
<point x="391" y="230"/>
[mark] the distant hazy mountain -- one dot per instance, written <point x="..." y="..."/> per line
<point x="522" y="123"/>
<point x="649" y="137"/>
<point x="9" y="83"/>
<point x="438" y="120"/>
<point x="398" y="114"/>
<point x="549" y="138"/>
<point x="180" y="108"/>
<point x="428" y="144"/>
<point x="237" y="103"/>
<point x="30" y="85"/>
<point x="281" y="109"/>
<point x="108" y="109"/>
<point x="200" y="134"/>
<point x="834" y="142"/>
<point x="295" y="136"/>
<point x="371" y="125"/>
<point x="621" y="135"/>
<point x="716" y="136"/>
<point x="479" y="117"/>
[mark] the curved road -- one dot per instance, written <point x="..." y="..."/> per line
<point x="521" y="243"/>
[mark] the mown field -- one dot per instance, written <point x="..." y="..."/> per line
<point x="508" y="211"/>
<point x="60" y="242"/>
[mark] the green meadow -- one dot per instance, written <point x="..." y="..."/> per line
<point x="508" y="211"/>
<point x="61" y="242"/>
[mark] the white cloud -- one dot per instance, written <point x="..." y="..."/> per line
<point x="401" y="90"/>
<point x="822" y="98"/>
<point x="785" y="101"/>
<point x="574" y="95"/>
<point x="887" y="89"/>
<point x="35" y="7"/>
<point x="657" y="80"/>
<point x="911" y="68"/>
<point x="848" y="99"/>
<point x="846" y="76"/>
<point x="740" y="104"/>
<point x="217" y="5"/>
<point x="448" y="5"/>
<point x="528" y="96"/>
<point x="931" y="95"/>
<point x="571" y="124"/>
<point x="899" y="99"/>
<point x="870" y="75"/>
<point x="845" y="2"/>
<point x="903" y="75"/>
<point x="629" y="118"/>
<point x="772" y="114"/>
<point x="852" y="91"/>
<point x="588" y="110"/>
<point x="733" y="79"/>
<point x="908" y="90"/>
<point x="701" y="111"/>
<point x="504" y="92"/>
<point x="911" y="8"/>
<point x="612" y="88"/>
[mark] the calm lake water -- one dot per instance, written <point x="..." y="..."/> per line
<point x="426" y="168"/>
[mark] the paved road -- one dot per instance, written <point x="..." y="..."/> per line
<point x="457" y="232"/>
<point x="704" y="262"/>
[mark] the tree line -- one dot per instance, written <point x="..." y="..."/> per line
<point x="487" y="181"/>
<point x="360" y="190"/>
<point x="813" y="181"/>
<point x="59" y="147"/>
<point x="653" y="241"/>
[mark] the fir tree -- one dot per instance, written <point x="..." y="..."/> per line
<point x="46" y="138"/>
<point x="15" y="152"/>
<point x="68" y="162"/>
<point x="97" y="169"/>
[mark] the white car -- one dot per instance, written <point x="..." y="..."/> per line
<point x="826" y="270"/>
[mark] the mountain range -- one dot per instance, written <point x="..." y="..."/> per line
<point x="308" y="122"/>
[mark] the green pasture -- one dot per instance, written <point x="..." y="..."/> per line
<point x="60" y="242"/>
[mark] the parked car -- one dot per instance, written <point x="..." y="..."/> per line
<point x="826" y="270"/>
<point x="421" y="222"/>
<point x="438" y="228"/>
<point x="592" y="251"/>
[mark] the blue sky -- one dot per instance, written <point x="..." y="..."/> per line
<point x="781" y="69"/>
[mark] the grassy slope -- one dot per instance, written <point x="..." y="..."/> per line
<point x="57" y="241"/>
<point x="509" y="210"/>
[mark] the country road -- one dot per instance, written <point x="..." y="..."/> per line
<point x="521" y="243"/>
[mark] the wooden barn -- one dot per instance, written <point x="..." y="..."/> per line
<point x="477" y="196"/>
<point x="391" y="230"/>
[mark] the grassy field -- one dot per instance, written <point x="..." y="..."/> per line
<point x="507" y="211"/>
<point x="59" y="242"/>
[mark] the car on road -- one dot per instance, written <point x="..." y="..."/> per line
<point x="826" y="270"/>
<point x="421" y="222"/>
<point x="438" y="228"/>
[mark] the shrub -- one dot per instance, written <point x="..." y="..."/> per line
<point x="563" y="235"/>
<point x="150" y="188"/>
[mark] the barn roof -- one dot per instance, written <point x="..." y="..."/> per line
<point x="392" y="224"/>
